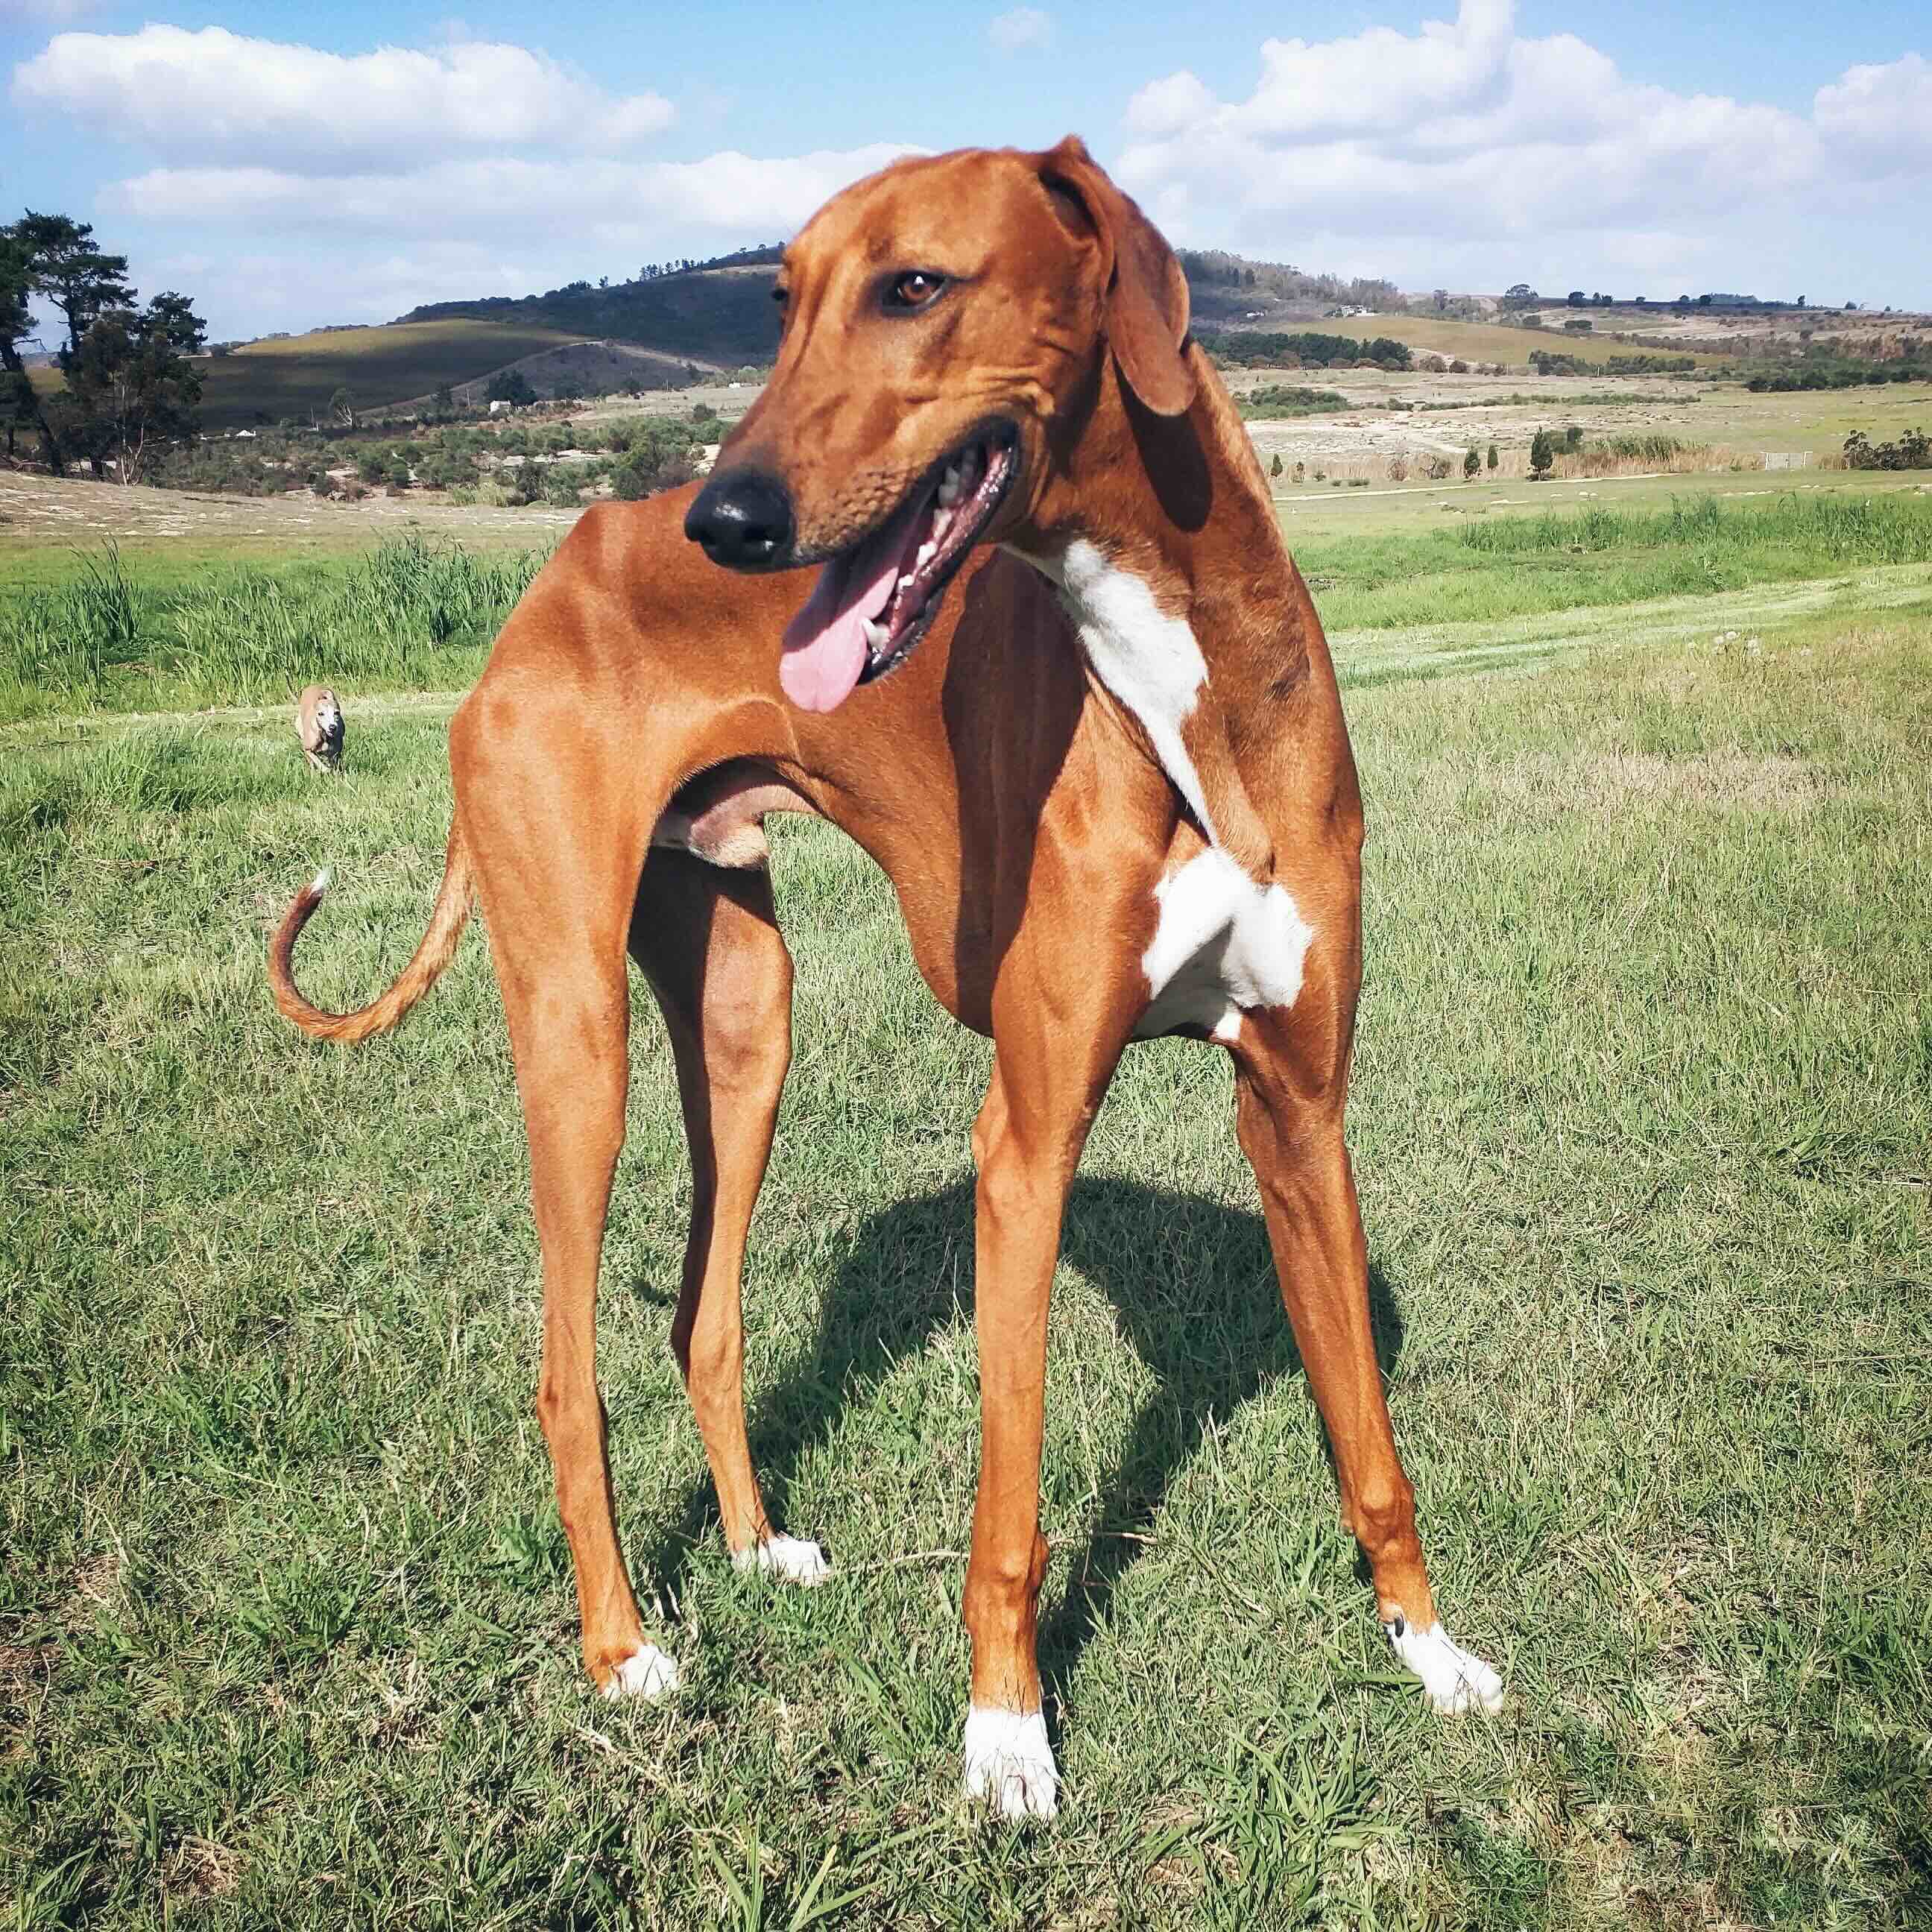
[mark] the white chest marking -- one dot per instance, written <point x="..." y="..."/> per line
<point x="1223" y="945"/>
<point x="1150" y="661"/>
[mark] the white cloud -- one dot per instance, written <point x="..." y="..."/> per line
<point x="287" y="185"/>
<point x="40" y="11"/>
<point x="1884" y="113"/>
<point x="610" y="204"/>
<point x="1022" y="27"/>
<point x="1469" y="142"/>
<point x="213" y="93"/>
<point x="365" y="247"/>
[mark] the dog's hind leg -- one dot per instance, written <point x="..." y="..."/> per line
<point x="1288" y="1119"/>
<point x="707" y="939"/>
<point x="557" y="853"/>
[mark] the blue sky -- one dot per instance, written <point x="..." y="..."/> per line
<point x="290" y="165"/>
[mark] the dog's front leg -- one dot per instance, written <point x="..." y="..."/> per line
<point x="1047" y="1083"/>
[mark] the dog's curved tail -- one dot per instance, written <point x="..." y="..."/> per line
<point x="447" y="920"/>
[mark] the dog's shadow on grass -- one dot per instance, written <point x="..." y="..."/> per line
<point x="1195" y="1286"/>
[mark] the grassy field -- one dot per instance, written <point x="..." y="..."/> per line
<point x="1643" y="1100"/>
<point x="1312" y="515"/>
<point x="296" y="375"/>
<point x="1481" y="341"/>
<point x="417" y="614"/>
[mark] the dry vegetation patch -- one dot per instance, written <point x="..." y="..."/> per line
<point x="1545" y="785"/>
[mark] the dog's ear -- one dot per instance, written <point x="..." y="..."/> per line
<point x="1146" y="291"/>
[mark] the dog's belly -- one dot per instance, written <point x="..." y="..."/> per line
<point x="1222" y="945"/>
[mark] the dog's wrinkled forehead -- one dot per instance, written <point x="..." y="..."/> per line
<point x="959" y="211"/>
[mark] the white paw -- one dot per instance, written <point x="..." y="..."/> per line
<point x="1009" y="1760"/>
<point x="649" y="1673"/>
<point x="791" y="1559"/>
<point x="1453" y="1679"/>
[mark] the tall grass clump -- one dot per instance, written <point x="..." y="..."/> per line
<point x="410" y="614"/>
<point x="58" y="647"/>
<point x="1527" y="566"/>
<point x="1837" y="528"/>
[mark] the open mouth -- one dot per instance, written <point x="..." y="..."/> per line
<point x="875" y="600"/>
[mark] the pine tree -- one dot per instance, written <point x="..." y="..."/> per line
<point x="1471" y="463"/>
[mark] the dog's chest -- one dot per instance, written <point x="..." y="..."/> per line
<point x="1224" y="942"/>
<point x="1150" y="661"/>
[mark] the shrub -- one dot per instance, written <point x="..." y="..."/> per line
<point x="1311" y="349"/>
<point x="1439" y="468"/>
<point x="1491" y="459"/>
<point x="1275" y="467"/>
<point x="1912" y="451"/>
<point x="510" y="386"/>
<point x="1472" y="464"/>
<point x="1398" y="469"/>
<point x="1288" y="399"/>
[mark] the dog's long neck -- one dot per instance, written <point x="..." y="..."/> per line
<point x="1161" y="536"/>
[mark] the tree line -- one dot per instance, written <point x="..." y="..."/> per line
<point x="129" y="383"/>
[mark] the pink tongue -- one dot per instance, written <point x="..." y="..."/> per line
<point x="824" y="645"/>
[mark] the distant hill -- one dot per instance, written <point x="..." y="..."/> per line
<point x="720" y="313"/>
<point x="296" y="375"/>
<point x="1230" y="292"/>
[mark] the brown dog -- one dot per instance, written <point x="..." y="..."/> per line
<point x="1072" y="815"/>
<point x="319" y="726"/>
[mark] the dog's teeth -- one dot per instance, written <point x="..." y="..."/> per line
<point x="905" y="582"/>
<point x="927" y="552"/>
<point x="877" y="635"/>
<point x="942" y="522"/>
<point x="950" y="487"/>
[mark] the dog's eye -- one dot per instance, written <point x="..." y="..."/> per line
<point x="780" y="296"/>
<point x="914" y="288"/>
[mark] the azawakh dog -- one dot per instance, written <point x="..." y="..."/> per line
<point x="1060" y="678"/>
<point x="319" y="728"/>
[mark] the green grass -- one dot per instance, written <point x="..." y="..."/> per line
<point x="409" y="615"/>
<point x="1488" y="342"/>
<point x="415" y="615"/>
<point x="1605" y="555"/>
<point x="1643" y="1097"/>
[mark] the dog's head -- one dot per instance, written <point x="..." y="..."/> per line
<point x="945" y="324"/>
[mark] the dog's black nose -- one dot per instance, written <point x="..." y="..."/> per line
<point x="744" y="521"/>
